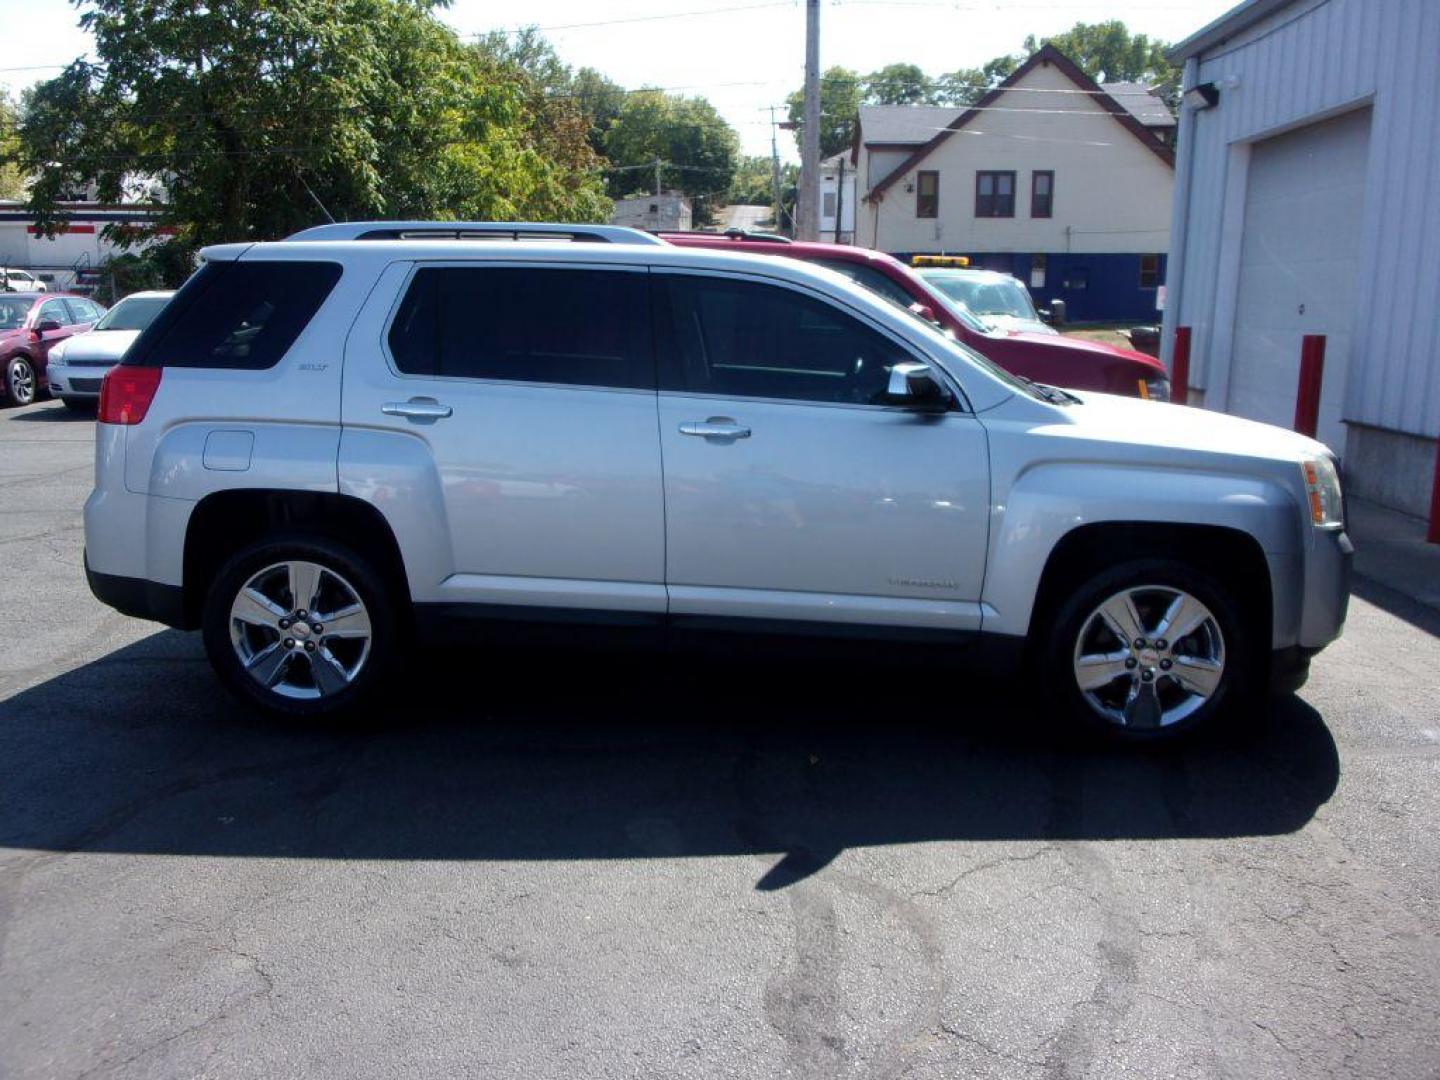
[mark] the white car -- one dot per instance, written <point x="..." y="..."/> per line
<point x="999" y="301"/>
<point x="328" y="448"/>
<point x="78" y="363"/>
<point x="20" y="281"/>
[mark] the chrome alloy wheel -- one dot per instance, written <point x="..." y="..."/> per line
<point x="300" y="630"/>
<point x="22" y="382"/>
<point x="1149" y="656"/>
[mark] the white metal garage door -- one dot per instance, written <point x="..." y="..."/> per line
<point x="1299" y="263"/>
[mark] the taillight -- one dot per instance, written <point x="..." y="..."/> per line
<point x="126" y="393"/>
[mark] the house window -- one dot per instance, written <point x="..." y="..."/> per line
<point x="828" y="210"/>
<point x="927" y="194"/>
<point x="1149" y="271"/>
<point x="995" y="194"/>
<point x="1042" y="193"/>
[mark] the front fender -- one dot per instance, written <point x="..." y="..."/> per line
<point x="1048" y="501"/>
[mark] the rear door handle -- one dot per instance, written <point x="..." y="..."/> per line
<point x="417" y="409"/>
<point x="717" y="427"/>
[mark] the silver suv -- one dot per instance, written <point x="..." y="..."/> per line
<point x="326" y="449"/>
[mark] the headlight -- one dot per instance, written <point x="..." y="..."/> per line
<point x="1322" y="485"/>
<point x="57" y="354"/>
<point x="1156" y="389"/>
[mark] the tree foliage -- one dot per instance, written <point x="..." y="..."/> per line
<point x="841" y="94"/>
<point x="254" y="113"/>
<point x="698" y="150"/>
<point x="12" y="179"/>
<point x="1108" y="52"/>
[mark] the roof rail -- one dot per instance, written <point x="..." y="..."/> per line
<point x="728" y="234"/>
<point x="474" y="230"/>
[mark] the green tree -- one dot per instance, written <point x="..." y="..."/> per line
<point x="753" y="184"/>
<point x="1108" y="52"/>
<point x="599" y="100"/>
<point x="899" y="84"/>
<point x="698" y="150"/>
<point x="841" y="93"/>
<point x="12" y="177"/>
<point x="969" y="85"/>
<point x="253" y="113"/>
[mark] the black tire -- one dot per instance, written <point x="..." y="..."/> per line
<point x="1058" y="645"/>
<point x="20" y="382"/>
<point x="386" y="637"/>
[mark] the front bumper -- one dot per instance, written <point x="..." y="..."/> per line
<point x="76" y="382"/>
<point x="1325" y="598"/>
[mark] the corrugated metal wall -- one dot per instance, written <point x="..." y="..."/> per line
<point x="1312" y="59"/>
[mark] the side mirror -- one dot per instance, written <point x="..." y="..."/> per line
<point x="1055" y="313"/>
<point x="46" y="326"/>
<point x="915" y="386"/>
<point x="926" y="312"/>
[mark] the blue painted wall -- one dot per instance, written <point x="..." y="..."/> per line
<point x="1095" y="288"/>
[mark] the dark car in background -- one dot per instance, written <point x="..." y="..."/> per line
<point x="1048" y="358"/>
<point x="31" y="324"/>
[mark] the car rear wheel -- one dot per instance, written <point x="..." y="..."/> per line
<point x="1148" y="651"/>
<point x="300" y="627"/>
<point x="20" y="380"/>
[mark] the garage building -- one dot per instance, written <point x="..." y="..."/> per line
<point x="1306" y="203"/>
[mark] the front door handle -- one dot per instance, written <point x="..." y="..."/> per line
<point x="717" y="427"/>
<point x="417" y="408"/>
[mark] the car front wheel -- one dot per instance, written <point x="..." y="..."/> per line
<point x="300" y="627"/>
<point x="20" y="380"/>
<point x="1148" y="651"/>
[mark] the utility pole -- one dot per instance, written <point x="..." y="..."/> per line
<point x="657" y="176"/>
<point x="809" y="224"/>
<point x="775" y="175"/>
<point x="840" y="198"/>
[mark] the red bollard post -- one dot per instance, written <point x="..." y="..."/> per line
<point x="1312" y="374"/>
<point x="1433" y="534"/>
<point x="1180" y="367"/>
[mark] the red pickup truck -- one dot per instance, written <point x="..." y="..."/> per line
<point x="1045" y="358"/>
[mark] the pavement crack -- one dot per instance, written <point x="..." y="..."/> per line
<point x="942" y="890"/>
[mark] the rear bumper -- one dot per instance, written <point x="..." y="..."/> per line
<point x="140" y="598"/>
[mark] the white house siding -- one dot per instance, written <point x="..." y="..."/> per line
<point x="1112" y="194"/>
<point x="1306" y="62"/>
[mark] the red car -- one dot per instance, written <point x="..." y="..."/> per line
<point x="1045" y="358"/>
<point x="31" y="324"/>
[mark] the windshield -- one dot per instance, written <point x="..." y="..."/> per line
<point x="132" y="313"/>
<point x="13" y="312"/>
<point x="994" y="296"/>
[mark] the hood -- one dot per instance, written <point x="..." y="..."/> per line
<point x="1014" y="324"/>
<point x="99" y="345"/>
<point x="1109" y="418"/>
<point x="1091" y="348"/>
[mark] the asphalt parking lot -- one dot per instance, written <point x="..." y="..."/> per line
<point x="638" y="866"/>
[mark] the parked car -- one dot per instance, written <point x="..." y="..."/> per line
<point x="999" y="301"/>
<point x="31" y="325"/>
<point x="324" y="444"/>
<point x="77" y="365"/>
<point x="1047" y="358"/>
<point x="21" y="281"/>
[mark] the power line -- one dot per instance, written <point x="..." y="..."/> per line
<point x="639" y="18"/>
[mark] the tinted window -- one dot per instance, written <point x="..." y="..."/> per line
<point x="82" y="311"/>
<point x="745" y="339"/>
<point x="576" y="327"/>
<point x="236" y="315"/>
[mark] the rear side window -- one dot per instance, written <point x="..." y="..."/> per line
<point x="236" y="315"/>
<point x="873" y="279"/>
<point x="571" y="327"/>
<point x="747" y="339"/>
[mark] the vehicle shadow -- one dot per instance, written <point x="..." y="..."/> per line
<point x="50" y="411"/>
<point x="1418" y="615"/>
<point x="509" y="755"/>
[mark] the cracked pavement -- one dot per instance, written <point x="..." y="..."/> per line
<point x="620" y="865"/>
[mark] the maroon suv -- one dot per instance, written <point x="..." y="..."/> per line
<point x="31" y="324"/>
<point x="1045" y="358"/>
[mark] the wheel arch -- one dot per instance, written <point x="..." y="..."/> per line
<point x="225" y="521"/>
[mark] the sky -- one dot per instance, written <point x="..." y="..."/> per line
<point x="744" y="55"/>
